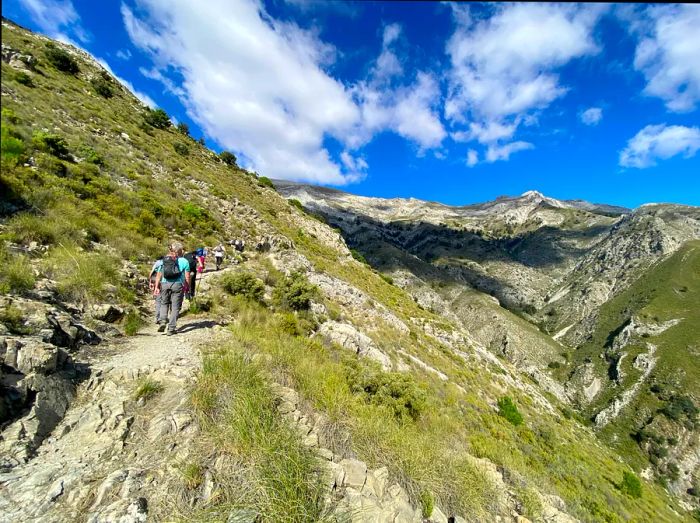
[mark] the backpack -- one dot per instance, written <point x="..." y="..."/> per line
<point x="171" y="268"/>
<point x="192" y="260"/>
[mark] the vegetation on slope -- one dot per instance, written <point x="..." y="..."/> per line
<point x="94" y="181"/>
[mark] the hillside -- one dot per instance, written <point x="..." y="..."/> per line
<point x="319" y="387"/>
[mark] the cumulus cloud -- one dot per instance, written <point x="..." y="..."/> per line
<point x="592" y="116"/>
<point x="502" y="152"/>
<point x="261" y="87"/>
<point x="667" y="53"/>
<point x="504" y="67"/>
<point x="57" y="18"/>
<point x="472" y="157"/>
<point x="660" y="142"/>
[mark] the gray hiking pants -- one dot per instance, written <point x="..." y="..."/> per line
<point x="171" y="295"/>
<point x="158" y="302"/>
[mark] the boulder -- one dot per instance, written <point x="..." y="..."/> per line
<point x="348" y="337"/>
<point x="107" y="312"/>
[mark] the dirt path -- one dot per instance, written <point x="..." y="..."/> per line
<point x="110" y="450"/>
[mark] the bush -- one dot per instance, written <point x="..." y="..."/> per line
<point x="679" y="406"/>
<point x="294" y="292"/>
<point x="228" y="158"/>
<point x="201" y="141"/>
<point x="509" y="410"/>
<point x="192" y="212"/>
<point x="395" y="390"/>
<point x="358" y="256"/>
<point x="264" y="181"/>
<point x="90" y="155"/>
<point x="387" y="278"/>
<point x="296" y="203"/>
<point x="50" y="143"/>
<point x="11" y="145"/>
<point x="157" y="118"/>
<point x="13" y="319"/>
<point x="61" y="60"/>
<point x="183" y="128"/>
<point x="181" y="149"/>
<point x="102" y="86"/>
<point x="631" y="485"/>
<point x="244" y="284"/>
<point x="23" y="78"/>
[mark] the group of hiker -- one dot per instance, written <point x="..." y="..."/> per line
<point x="174" y="277"/>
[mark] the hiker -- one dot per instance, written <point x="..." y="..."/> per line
<point x="201" y="259"/>
<point x="219" y="253"/>
<point x="191" y="258"/>
<point x="238" y="245"/>
<point x="171" y="284"/>
<point x="152" y="284"/>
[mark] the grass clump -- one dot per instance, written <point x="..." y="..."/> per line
<point x="17" y="275"/>
<point x="132" y="323"/>
<point x="23" y="78"/>
<point x="277" y="476"/>
<point x="81" y="276"/>
<point x="509" y="410"/>
<point x="631" y="485"/>
<point x="427" y="503"/>
<point x="192" y="475"/>
<point x="294" y="292"/>
<point x="147" y="389"/>
<point x="244" y="284"/>
<point x="14" y="320"/>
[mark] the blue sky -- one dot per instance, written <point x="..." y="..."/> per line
<point x="457" y="103"/>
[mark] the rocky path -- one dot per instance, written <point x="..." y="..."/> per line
<point x="110" y="449"/>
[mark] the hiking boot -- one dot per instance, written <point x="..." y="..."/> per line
<point x="170" y="332"/>
<point x="161" y="327"/>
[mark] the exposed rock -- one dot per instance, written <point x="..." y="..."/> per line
<point x="348" y="337"/>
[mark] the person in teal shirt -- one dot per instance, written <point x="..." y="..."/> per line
<point x="172" y="289"/>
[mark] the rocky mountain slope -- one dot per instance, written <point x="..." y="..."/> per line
<point x="305" y="385"/>
<point x="557" y="270"/>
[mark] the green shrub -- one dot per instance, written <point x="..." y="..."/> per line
<point x="157" y="118"/>
<point x="192" y="212"/>
<point x="23" y="78"/>
<point x="90" y="155"/>
<point x="294" y="292"/>
<point x="81" y="276"/>
<point x="17" y="275"/>
<point x="51" y="165"/>
<point x="509" y="410"/>
<point x="10" y="116"/>
<point x="11" y="145"/>
<point x="61" y="60"/>
<point x="554" y="365"/>
<point x="244" y="284"/>
<point x="50" y="143"/>
<point x="358" y="256"/>
<point x="387" y="278"/>
<point x="201" y="141"/>
<point x="181" y="149"/>
<point x="228" y="158"/>
<point x="264" y="181"/>
<point x="631" y="485"/>
<point x="296" y="203"/>
<point x="183" y="128"/>
<point x="102" y="86"/>
<point x="394" y="390"/>
<point x="679" y="406"/>
<point x="132" y="323"/>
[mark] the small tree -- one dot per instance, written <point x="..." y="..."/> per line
<point x="631" y="485"/>
<point x="61" y="60"/>
<point x="201" y="141"/>
<point x="183" y="128"/>
<point x="228" y="158"/>
<point x="295" y="292"/>
<point x="102" y="86"/>
<point x="157" y="118"/>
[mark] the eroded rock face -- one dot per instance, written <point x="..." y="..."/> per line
<point x="348" y="337"/>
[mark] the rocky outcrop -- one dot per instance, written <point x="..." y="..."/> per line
<point x="348" y="337"/>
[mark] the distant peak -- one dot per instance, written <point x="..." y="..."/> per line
<point x="532" y="194"/>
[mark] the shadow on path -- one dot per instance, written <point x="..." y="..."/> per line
<point x="202" y="324"/>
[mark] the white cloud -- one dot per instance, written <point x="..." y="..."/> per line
<point x="502" y="152"/>
<point x="260" y="87"/>
<point x="660" y="142"/>
<point x="592" y="116"/>
<point x="58" y="18"/>
<point x="667" y="53"/>
<point x="472" y="157"/>
<point x="503" y="68"/>
<point x="123" y="54"/>
<point x="253" y="84"/>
